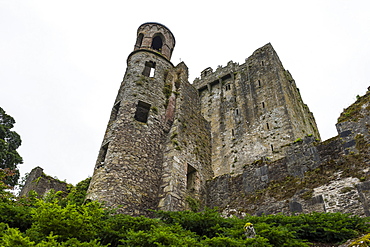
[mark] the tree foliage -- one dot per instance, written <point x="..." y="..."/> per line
<point x="9" y="142"/>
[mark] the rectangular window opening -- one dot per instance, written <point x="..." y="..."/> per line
<point x="232" y="132"/>
<point x="259" y="83"/>
<point x="102" y="155"/>
<point x="263" y="104"/>
<point x="272" y="148"/>
<point x="191" y="179"/>
<point x="149" y="69"/>
<point x="267" y="125"/>
<point x="142" y="111"/>
<point x="236" y="111"/>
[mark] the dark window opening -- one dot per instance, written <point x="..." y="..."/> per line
<point x="228" y="87"/>
<point x="259" y="83"/>
<point x="224" y="78"/>
<point x="263" y="104"/>
<point x="236" y="111"/>
<point x="149" y="69"/>
<point x="267" y="125"/>
<point x="232" y="132"/>
<point x="139" y="40"/>
<point x="263" y="64"/>
<point x="115" y="111"/>
<point x="272" y="148"/>
<point x="191" y="179"/>
<point x="102" y="155"/>
<point x="142" y="112"/>
<point x="157" y="43"/>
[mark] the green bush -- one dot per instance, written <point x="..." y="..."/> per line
<point x="82" y="222"/>
<point x="318" y="227"/>
<point x="208" y="223"/>
<point x="77" y="194"/>
<point x="232" y="242"/>
<point x="64" y="220"/>
<point x="160" y="235"/>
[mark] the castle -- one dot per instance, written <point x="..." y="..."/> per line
<point x="166" y="137"/>
<point x="239" y="138"/>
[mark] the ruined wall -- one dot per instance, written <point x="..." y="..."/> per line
<point x="330" y="176"/>
<point x="187" y="157"/>
<point x="41" y="183"/>
<point x="254" y="109"/>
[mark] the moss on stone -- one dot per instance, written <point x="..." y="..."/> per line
<point x="353" y="112"/>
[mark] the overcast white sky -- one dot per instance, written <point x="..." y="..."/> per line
<point x="61" y="62"/>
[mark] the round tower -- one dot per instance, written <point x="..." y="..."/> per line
<point x="128" y="170"/>
<point x="155" y="37"/>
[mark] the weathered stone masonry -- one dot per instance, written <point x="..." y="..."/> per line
<point x="148" y="158"/>
<point x="330" y="176"/>
<point x="41" y="183"/>
<point x="254" y="109"/>
<point x="239" y="138"/>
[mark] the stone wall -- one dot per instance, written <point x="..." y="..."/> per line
<point x="156" y="149"/>
<point x="41" y="183"/>
<point x="254" y="109"/>
<point x="128" y="171"/>
<point x="187" y="157"/>
<point x="330" y="176"/>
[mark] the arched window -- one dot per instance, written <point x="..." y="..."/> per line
<point x="139" y="40"/>
<point x="157" y="43"/>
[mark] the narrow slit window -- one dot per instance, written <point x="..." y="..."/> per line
<point x="142" y="112"/>
<point x="272" y="148"/>
<point x="263" y="64"/>
<point x="263" y="104"/>
<point x="149" y="69"/>
<point x="236" y="111"/>
<point x="259" y="83"/>
<point x="139" y="40"/>
<point x="232" y="132"/>
<point x="115" y="111"/>
<point x="102" y="155"/>
<point x="267" y="125"/>
<point x="191" y="179"/>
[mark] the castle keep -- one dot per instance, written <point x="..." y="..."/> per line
<point x="166" y="137"/>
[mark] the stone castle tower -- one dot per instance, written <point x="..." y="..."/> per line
<point x="141" y="164"/>
<point x="166" y="137"/>
<point x="254" y="109"/>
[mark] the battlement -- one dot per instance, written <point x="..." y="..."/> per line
<point x="214" y="77"/>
